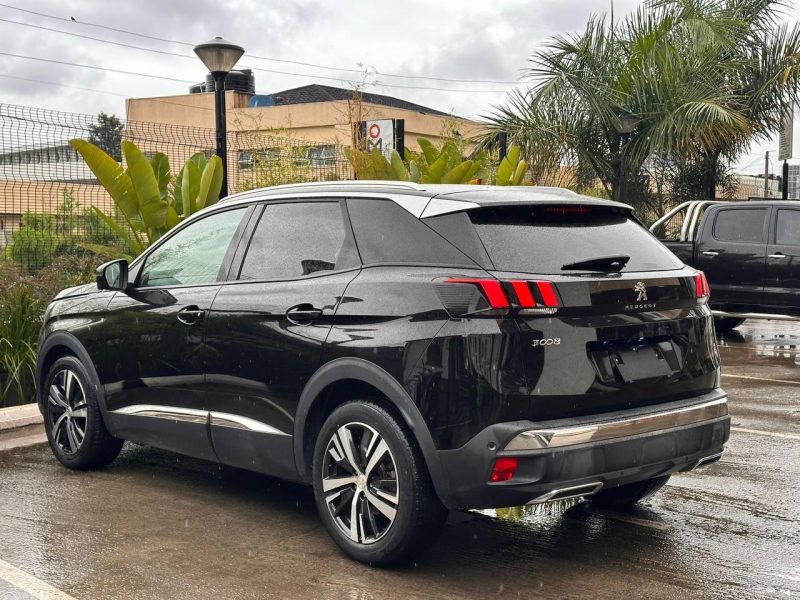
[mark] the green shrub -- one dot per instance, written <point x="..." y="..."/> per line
<point x="33" y="247"/>
<point x="23" y="299"/>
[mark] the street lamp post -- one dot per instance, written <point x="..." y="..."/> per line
<point x="625" y="126"/>
<point x="219" y="56"/>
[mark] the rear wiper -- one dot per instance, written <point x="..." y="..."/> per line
<point x="601" y="263"/>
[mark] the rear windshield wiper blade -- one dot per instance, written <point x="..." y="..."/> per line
<point x="601" y="263"/>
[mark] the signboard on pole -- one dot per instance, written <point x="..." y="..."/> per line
<point x="380" y="135"/>
<point x="385" y="135"/>
<point x="788" y="138"/>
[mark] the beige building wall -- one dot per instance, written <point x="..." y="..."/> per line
<point x="311" y="123"/>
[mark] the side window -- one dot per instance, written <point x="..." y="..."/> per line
<point x="194" y="255"/>
<point x="740" y="225"/>
<point x="387" y="233"/>
<point x="788" y="231"/>
<point x="296" y="239"/>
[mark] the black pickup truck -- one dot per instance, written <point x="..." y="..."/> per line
<point x="749" y="251"/>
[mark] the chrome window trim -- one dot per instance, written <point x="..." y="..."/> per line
<point x="545" y="439"/>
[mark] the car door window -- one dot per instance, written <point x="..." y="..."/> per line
<point x="296" y="239"/>
<point x="193" y="255"/>
<point x="788" y="231"/>
<point x="740" y="225"/>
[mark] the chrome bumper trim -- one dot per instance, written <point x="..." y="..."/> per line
<point x="747" y="315"/>
<point x="543" y="439"/>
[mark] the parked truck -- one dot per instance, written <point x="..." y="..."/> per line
<point x="749" y="251"/>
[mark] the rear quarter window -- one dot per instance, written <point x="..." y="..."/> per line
<point x="542" y="239"/>
<point x="387" y="233"/>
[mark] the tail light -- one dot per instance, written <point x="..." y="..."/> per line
<point x="701" y="286"/>
<point x="497" y="297"/>
<point x="504" y="469"/>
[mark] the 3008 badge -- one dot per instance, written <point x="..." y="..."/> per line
<point x="546" y="342"/>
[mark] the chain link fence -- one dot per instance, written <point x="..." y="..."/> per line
<point x="48" y="195"/>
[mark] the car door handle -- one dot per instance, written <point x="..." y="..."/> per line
<point x="777" y="255"/>
<point x="303" y="313"/>
<point x="190" y="315"/>
<point x="711" y="253"/>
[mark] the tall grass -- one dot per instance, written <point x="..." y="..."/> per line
<point x="23" y="300"/>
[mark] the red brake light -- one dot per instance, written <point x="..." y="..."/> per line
<point x="548" y="292"/>
<point x="504" y="469"/>
<point x="546" y="298"/>
<point x="523" y="292"/>
<point x="701" y="285"/>
<point x="491" y="288"/>
<point x="567" y="210"/>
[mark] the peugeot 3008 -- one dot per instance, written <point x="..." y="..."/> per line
<point x="405" y="349"/>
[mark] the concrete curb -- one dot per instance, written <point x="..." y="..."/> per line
<point x="20" y="427"/>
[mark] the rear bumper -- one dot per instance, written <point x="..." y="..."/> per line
<point x="579" y="456"/>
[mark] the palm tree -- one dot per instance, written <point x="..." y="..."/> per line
<point x="695" y="76"/>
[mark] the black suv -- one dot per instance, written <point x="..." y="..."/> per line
<point x="406" y="349"/>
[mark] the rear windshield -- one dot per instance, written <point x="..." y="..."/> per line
<point x="545" y="239"/>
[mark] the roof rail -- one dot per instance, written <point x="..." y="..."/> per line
<point x="352" y="182"/>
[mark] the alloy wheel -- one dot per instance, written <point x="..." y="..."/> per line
<point x="359" y="480"/>
<point x="66" y="410"/>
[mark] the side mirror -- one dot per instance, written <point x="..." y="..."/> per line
<point x="113" y="275"/>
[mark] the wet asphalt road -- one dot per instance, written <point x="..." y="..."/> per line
<point x="156" y="525"/>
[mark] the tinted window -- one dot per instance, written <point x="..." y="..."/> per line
<point x="296" y="239"/>
<point x="788" y="227"/>
<point x="542" y="239"/>
<point x="387" y="233"/>
<point x="194" y="255"/>
<point x="740" y="225"/>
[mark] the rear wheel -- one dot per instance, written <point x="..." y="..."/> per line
<point x="628" y="494"/>
<point x="725" y="324"/>
<point x="372" y="488"/>
<point x="73" y="423"/>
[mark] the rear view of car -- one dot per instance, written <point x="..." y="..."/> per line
<point x="405" y="349"/>
<point x="599" y="374"/>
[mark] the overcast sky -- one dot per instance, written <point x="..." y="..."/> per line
<point x="462" y="39"/>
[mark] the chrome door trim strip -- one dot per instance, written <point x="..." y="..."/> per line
<point x="220" y="419"/>
<point x="544" y="439"/>
<point x="173" y="413"/>
<point x="192" y="415"/>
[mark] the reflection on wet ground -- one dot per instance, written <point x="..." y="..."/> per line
<point x="156" y="525"/>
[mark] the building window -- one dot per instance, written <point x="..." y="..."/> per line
<point x="245" y="160"/>
<point x="322" y="156"/>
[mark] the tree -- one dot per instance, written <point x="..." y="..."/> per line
<point x="699" y="78"/>
<point x="106" y="134"/>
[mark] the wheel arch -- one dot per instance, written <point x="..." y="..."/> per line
<point x="55" y="346"/>
<point x="361" y="376"/>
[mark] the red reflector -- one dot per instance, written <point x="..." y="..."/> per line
<point x="523" y="292"/>
<point x="701" y="285"/>
<point x="491" y="289"/>
<point x="548" y="292"/>
<point x="504" y="469"/>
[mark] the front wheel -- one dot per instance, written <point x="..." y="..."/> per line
<point x="73" y="423"/>
<point x="372" y="488"/>
<point x="628" y="494"/>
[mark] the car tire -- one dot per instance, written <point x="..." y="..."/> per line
<point x="725" y="324"/>
<point x="75" y="429"/>
<point x="368" y="466"/>
<point x="628" y="494"/>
